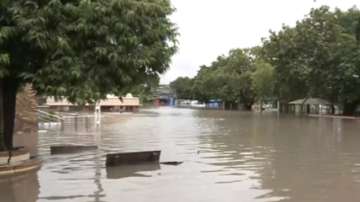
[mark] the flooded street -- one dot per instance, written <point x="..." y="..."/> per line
<point x="228" y="156"/>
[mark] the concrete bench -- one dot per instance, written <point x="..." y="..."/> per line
<point x="70" y="149"/>
<point x="117" y="159"/>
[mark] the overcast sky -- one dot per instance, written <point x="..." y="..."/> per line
<point x="209" y="28"/>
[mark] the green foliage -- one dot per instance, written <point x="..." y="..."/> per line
<point x="84" y="50"/>
<point x="357" y="31"/>
<point x="203" y="84"/>
<point x="263" y="80"/>
<point x="318" y="57"/>
<point x="183" y="87"/>
<point x="81" y="49"/>
<point x="146" y="91"/>
<point x="228" y="78"/>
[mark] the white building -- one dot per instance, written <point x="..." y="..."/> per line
<point x="111" y="103"/>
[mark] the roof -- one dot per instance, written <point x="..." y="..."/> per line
<point x="310" y="101"/>
<point x="109" y="101"/>
<point x="115" y="101"/>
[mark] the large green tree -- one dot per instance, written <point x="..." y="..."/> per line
<point x="319" y="57"/>
<point x="80" y="49"/>
<point x="228" y="78"/>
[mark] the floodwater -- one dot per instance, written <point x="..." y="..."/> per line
<point x="228" y="156"/>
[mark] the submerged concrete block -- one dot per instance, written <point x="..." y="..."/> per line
<point x="70" y="149"/>
<point x="20" y="167"/>
<point x="132" y="158"/>
<point x="172" y="163"/>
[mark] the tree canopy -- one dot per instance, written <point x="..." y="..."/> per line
<point x="82" y="49"/>
<point x="263" y="80"/>
<point x="182" y="87"/>
<point x="85" y="49"/>
<point x="228" y="79"/>
<point x="318" y="57"/>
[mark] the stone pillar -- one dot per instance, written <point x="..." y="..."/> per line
<point x="26" y="123"/>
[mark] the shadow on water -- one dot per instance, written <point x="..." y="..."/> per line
<point x="71" y="172"/>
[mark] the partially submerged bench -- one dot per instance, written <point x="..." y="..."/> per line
<point x="70" y="149"/>
<point x="129" y="158"/>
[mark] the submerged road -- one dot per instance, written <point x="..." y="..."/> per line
<point x="227" y="156"/>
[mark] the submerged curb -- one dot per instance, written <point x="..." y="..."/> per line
<point x="334" y="116"/>
<point x="18" y="155"/>
<point x="20" y="167"/>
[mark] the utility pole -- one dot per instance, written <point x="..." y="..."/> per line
<point x="97" y="114"/>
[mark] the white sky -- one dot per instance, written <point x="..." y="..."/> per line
<point x="209" y="28"/>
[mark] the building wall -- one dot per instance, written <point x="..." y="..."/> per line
<point x="26" y="123"/>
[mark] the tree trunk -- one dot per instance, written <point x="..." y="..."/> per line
<point x="2" y="143"/>
<point x="332" y="109"/>
<point x="247" y="106"/>
<point x="8" y="93"/>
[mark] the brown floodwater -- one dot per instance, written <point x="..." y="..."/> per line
<point x="228" y="156"/>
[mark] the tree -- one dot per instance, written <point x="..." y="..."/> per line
<point x="145" y="91"/>
<point x="204" y="86"/>
<point x="263" y="81"/>
<point x="318" y="58"/>
<point x="183" y="87"/>
<point x="357" y="31"/>
<point x="80" y="49"/>
<point x="228" y="78"/>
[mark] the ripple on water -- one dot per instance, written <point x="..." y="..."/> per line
<point x="228" y="156"/>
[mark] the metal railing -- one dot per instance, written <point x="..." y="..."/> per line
<point x="44" y="117"/>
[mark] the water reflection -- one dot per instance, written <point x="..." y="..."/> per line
<point x="98" y="194"/>
<point x="294" y="158"/>
<point x="19" y="188"/>
<point x="139" y="170"/>
<point x="228" y="156"/>
<point x="317" y="165"/>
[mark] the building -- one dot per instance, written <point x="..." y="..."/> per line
<point x="110" y="104"/>
<point x="215" y="104"/>
<point x="311" y="106"/>
<point x="164" y="96"/>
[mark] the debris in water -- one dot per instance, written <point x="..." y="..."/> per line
<point x="173" y="163"/>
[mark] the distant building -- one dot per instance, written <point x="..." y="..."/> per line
<point x="190" y="104"/>
<point x="214" y="104"/>
<point x="110" y="104"/>
<point x="311" y="106"/>
<point x="164" y="96"/>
